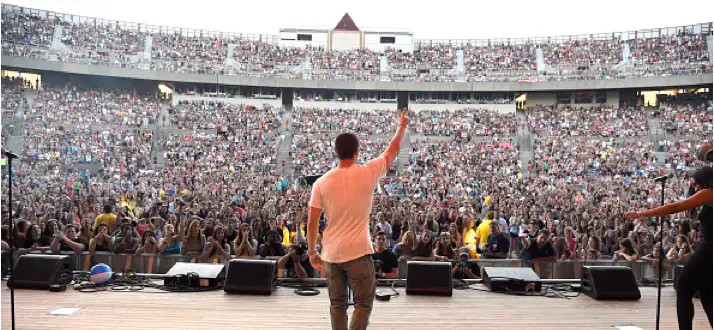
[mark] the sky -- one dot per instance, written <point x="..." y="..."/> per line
<point x="476" y="19"/>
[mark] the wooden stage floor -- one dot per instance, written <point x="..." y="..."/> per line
<point x="284" y="310"/>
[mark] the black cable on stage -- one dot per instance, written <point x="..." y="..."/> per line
<point x="550" y="291"/>
<point x="384" y="292"/>
<point x="303" y="289"/>
<point x="306" y="291"/>
<point x="130" y="281"/>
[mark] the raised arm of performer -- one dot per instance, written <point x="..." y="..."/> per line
<point x="697" y="273"/>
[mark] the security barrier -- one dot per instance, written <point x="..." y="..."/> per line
<point x="160" y="264"/>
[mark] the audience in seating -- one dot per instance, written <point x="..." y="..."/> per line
<point x="110" y="43"/>
<point x="461" y="189"/>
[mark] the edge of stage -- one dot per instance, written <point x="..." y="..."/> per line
<point x="466" y="309"/>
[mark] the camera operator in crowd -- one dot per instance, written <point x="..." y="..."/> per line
<point x="464" y="268"/>
<point x="296" y="263"/>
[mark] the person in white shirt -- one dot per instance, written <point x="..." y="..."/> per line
<point x="345" y="194"/>
<point x="384" y="226"/>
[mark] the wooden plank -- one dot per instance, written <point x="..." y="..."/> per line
<point x="285" y="310"/>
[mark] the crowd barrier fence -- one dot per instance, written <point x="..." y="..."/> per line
<point x="160" y="264"/>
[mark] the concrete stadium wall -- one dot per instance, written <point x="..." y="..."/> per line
<point x="613" y="98"/>
<point x="541" y="98"/>
<point x="11" y="62"/>
<point x="549" y="98"/>
<point x="501" y="108"/>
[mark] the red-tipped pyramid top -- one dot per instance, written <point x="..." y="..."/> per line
<point x="346" y="24"/>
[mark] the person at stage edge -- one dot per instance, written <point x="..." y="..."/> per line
<point x="697" y="273"/>
<point x="345" y="194"/>
<point x="385" y="261"/>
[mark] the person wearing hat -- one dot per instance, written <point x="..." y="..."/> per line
<point x="463" y="268"/>
<point x="697" y="273"/>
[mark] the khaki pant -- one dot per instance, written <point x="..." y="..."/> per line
<point x="359" y="274"/>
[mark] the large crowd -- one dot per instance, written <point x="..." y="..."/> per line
<point x="218" y="191"/>
<point x="687" y="119"/>
<point x="314" y="153"/>
<point x="473" y="121"/>
<point x="602" y="121"/>
<point x="210" y="186"/>
<point x="75" y="105"/>
<point x="110" y="43"/>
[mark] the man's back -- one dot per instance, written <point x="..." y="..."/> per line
<point x="346" y="196"/>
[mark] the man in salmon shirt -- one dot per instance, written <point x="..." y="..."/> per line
<point x="345" y="194"/>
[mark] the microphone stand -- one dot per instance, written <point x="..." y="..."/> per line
<point x="661" y="258"/>
<point x="10" y="156"/>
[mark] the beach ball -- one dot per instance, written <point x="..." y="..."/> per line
<point x="100" y="274"/>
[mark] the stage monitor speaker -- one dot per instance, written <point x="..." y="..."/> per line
<point x="208" y="275"/>
<point x="511" y="279"/>
<point x="251" y="276"/>
<point x="40" y="271"/>
<point x="402" y="100"/>
<point x="429" y="278"/>
<point x="609" y="282"/>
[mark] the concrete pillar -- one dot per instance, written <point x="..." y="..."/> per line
<point x="402" y="100"/>
<point x="626" y="53"/>
<point x="710" y="46"/>
<point x="540" y="62"/>
<point x="229" y="55"/>
<point x="148" y="47"/>
<point x="613" y="98"/>
<point x="460" y="61"/>
<point x="57" y="37"/>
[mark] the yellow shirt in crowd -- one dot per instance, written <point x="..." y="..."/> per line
<point x="482" y="232"/>
<point x="107" y="218"/>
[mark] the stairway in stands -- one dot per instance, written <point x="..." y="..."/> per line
<point x="161" y="129"/>
<point x="16" y="135"/>
<point x="656" y="134"/>
<point x="285" y="147"/>
<point x="525" y="141"/>
<point x="403" y="156"/>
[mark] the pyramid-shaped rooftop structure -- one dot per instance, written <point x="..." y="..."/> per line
<point x="346" y="24"/>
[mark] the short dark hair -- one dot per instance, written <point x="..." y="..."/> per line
<point x="380" y="233"/>
<point x="703" y="177"/>
<point x="545" y="232"/>
<point x="346" y="145"/>
<point x="108" y="208"/>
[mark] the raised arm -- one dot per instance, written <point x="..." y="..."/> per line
<point x="396" y="143"/>
<point x="696" y="200"/>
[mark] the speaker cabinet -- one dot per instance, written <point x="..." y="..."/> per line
<point x="429" y="278"/>
<point x="39" y="271"/>
<point x="251" y="276"/>
<point x="609" y="283"/>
